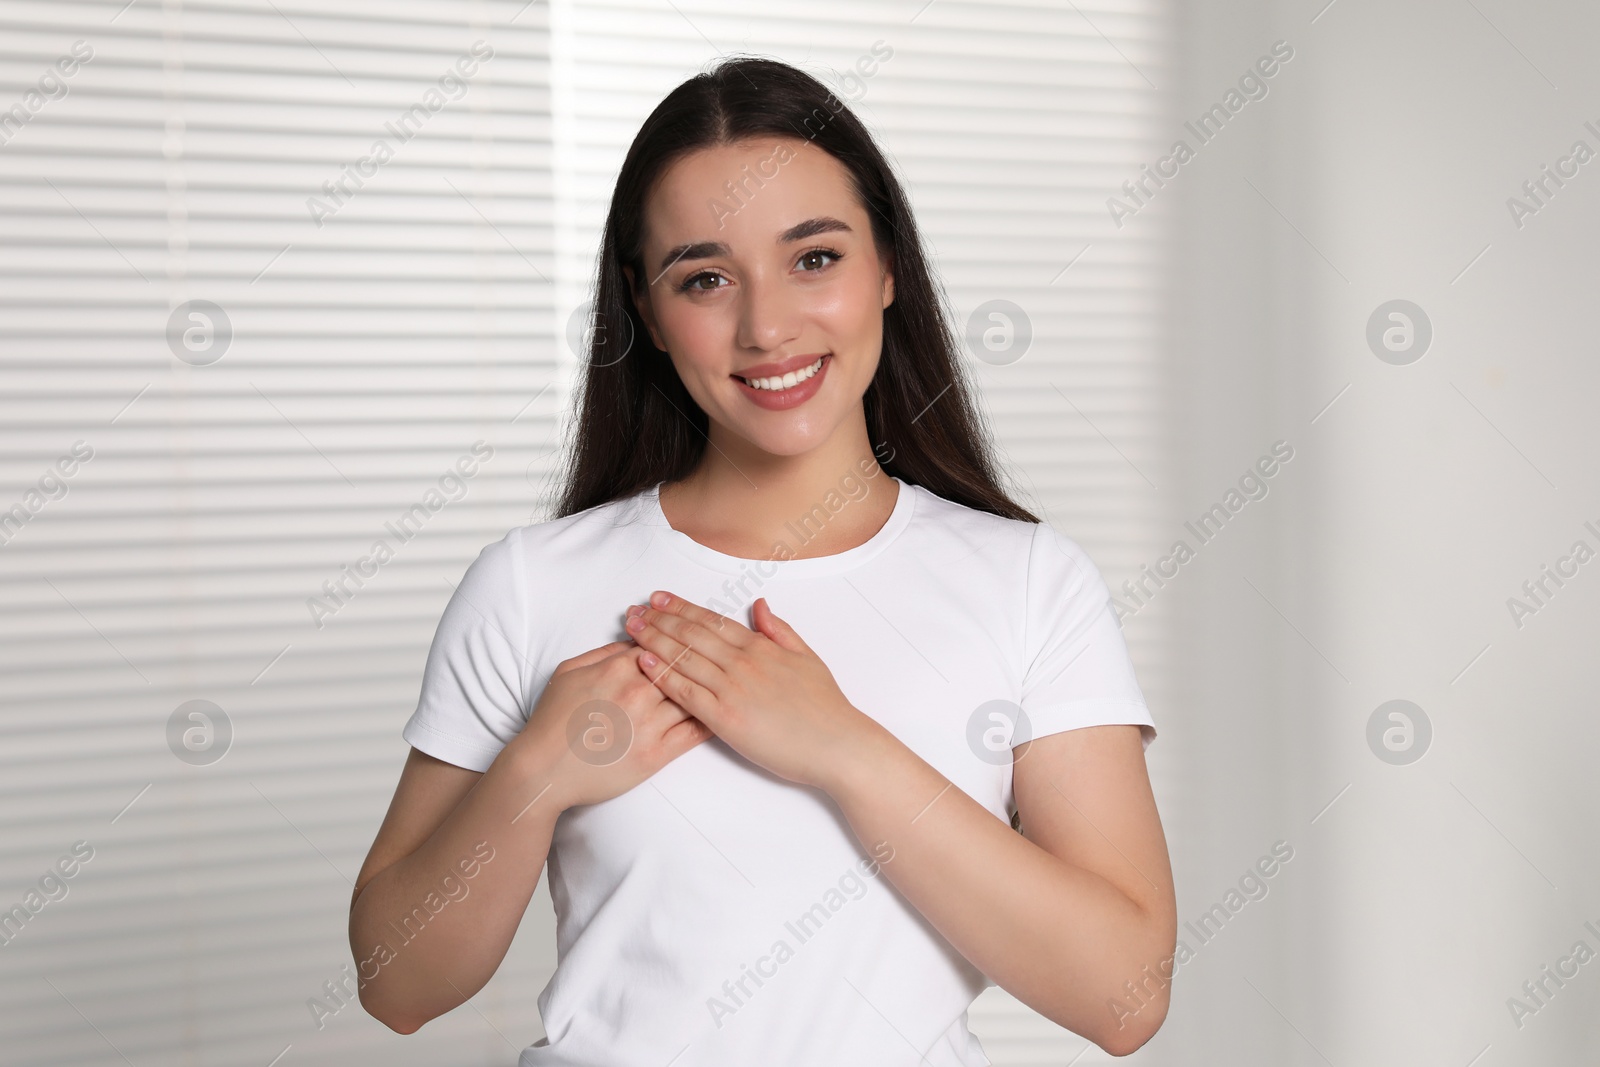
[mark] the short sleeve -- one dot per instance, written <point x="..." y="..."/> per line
<point x="473" y="697"/>
<point x="1077" y="671"/>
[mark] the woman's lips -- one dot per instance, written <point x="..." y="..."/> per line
<point x="783" y="399"/>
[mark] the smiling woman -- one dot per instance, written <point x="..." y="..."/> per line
<point x="697" y="780"/>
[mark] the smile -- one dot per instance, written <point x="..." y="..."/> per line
<point x="786" y="391"/>
<point x="788" y="381"/>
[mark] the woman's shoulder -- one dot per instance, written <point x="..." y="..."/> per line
<point x="582" y="536"/>
<point x="1034" y="547"/>
<point x="943" y="517"/>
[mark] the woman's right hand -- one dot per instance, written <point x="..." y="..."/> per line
<point x="603" y="727"/>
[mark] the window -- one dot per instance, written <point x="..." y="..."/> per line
<point x="276" y="276"/>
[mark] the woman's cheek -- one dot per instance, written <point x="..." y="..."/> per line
<point x="840" y="314"/>
<point x="696" y="335"/>
<point x="858" y="322"/>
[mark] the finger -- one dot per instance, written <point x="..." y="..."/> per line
<point x="667" y="635"/>
<point x="677" y="685"/>
<point x="674" y="657"/>
<point x="735" y="633"/>
<point x="775" y="628"/>
<point x="669" y="710"/>
<point x="683" y="736"/>
<point x="594" y="655"/>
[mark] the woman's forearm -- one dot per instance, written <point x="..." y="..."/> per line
<point x="429" y="931"/>
<point x="1060" y="938"/>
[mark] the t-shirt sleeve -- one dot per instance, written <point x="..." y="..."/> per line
<point x="473" y="697"/>
<point x="1077" y="669"/>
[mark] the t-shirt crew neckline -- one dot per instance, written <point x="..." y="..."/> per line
<point x="810" y="567"/>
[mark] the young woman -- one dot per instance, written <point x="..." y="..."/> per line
<point x="767" y="689"/>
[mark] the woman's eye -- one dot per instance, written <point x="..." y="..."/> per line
<point x="694" y="281"/>
<point x="815" y="256"/>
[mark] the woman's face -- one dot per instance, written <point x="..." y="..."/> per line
<point x="760" y="261"/>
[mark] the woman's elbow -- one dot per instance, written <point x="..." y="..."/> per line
<point x="1121" y="1023"/>
<point x="402" y="1027"/>
<point x="1130" y="1029"/>
<point x="387" y="1014"/>
<point x="1136" y="1011"/>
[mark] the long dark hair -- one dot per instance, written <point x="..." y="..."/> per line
<point x="637" y="425"/>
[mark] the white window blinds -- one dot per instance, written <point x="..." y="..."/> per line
<point x="363" y="190"/>
<point x="286" y="282"/>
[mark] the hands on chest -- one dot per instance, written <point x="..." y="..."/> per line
<point x="763" y="691"/>
<point x="624" y="710"/>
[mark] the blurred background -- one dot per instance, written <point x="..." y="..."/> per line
<point x="241" y="339"/>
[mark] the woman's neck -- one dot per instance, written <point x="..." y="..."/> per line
<point x="788" y="507"/>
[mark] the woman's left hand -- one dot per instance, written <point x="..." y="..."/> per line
<point x="763" y="691"/>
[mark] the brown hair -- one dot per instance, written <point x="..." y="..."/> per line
<point x="637" y="425"/>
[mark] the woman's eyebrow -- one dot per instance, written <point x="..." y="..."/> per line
<point x="811" y="227"/>
<point x="798" y="232"/>
<point x="697" y="250"/>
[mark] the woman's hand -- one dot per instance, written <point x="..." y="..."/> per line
<point x="763" y="691"/>
<point x="602" y="728"/>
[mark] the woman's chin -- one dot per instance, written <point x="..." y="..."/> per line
<point x="799" y="436"/>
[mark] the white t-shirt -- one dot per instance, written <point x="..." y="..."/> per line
<point x="717" y="915"/>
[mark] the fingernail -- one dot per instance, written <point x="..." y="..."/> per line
<point x="635" y="609"/>
<point x="660" y="599"/>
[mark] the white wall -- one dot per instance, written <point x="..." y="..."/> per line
<point x="1382" y="561"/>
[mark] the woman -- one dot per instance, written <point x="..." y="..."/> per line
<point x="762" y="692"/>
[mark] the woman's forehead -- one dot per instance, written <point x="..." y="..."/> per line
<point x="748" y="191"/>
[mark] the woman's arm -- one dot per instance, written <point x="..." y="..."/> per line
<point x="426" y="935"/>
<point x="1075" y="920"/>
<point x="458" y="857"/>
<point x="1061" y="919"/>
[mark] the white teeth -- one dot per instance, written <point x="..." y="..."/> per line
<point x="788" y="381"/>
